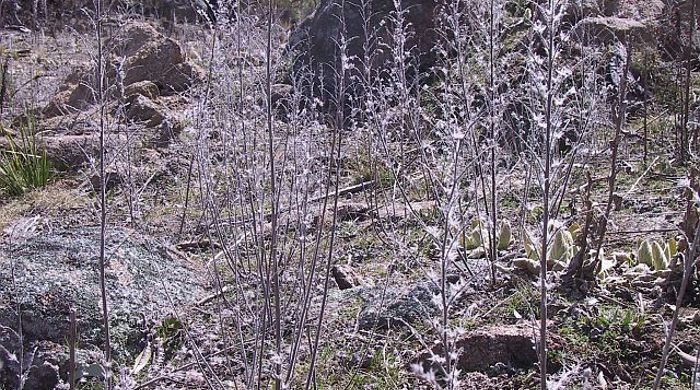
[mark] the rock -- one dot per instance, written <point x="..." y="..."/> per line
<point x="127" y="41"/>
<point x="144" y="88"/>
<point x="150" y="56"/>
<point x="46" y="364"/>
<point x="42" y="376"/>
<point x="75" y="94"/>
<point x="345" y="277"/>
<point x="147" y="58"/>
<point x="70" y="152"/>
<point x="509" y="345"/>
<point x="57" y="271"/>
<point x="398" y="308"/>
<point x="163" y="62"/>
<point x="143" y="109"/>
<point x="313" y="49"/>
<point x="610" y="29"/>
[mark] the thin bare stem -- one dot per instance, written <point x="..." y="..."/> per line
<point x="103" y="195"/>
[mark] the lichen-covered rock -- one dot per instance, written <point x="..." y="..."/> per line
<point x="396" y="307"/>
<point x="49" y="274"/>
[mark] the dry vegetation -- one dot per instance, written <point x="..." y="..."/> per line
<point x="523" y="214"/>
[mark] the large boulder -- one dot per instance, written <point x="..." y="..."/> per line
<point x="150" y="56"/>
<point x="314" y="44"/>
<point x="674" y="30"/>
<point x="138" y="54"/>
<point x="47" y="274"/>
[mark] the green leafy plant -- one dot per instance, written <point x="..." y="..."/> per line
<point x="171" y="333"/>
<point x="23" y="165"/>
<point x="477" y="236"/>
<point x="655" y="254"/>
<point x="559" y="252"/>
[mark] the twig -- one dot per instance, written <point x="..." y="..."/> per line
<point x="103" y="194"/>
<point x="686" y="357"/>
<point x="211" y="297"/>
<point x="696" y="368"/>
<point x="642" y="176"/>
<point x="72" y="366"/>
<point x="642" y="231"/>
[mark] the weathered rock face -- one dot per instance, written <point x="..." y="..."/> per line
<point x="48" y="274"/>
<point x="314" y="43"/>
<point x="509" y="346"/>
<point x="675" y="27"/>
<point x="148" y="58"/>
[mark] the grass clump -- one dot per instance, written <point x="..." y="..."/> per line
<point x="24" y="165"/>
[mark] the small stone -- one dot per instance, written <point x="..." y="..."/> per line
<point x="143" y="109"/>
<point x="346" y="277"/>
<point x="144" y="88"/>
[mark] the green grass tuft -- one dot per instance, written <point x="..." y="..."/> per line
<point x="23" y="165"/>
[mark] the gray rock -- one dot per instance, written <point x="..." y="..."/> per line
<point x="397" y="307"/>
<point x="314" y="48"/>
<point x="51" y="273"/>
